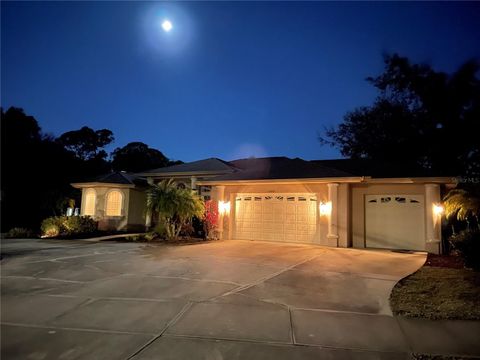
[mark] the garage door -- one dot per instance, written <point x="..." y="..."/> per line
<point x="395" y="221"/>
<point x="276" y="217"/>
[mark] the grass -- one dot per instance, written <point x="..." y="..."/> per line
<point x="438" y="293"/>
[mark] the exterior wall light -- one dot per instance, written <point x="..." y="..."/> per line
<point x="224" y="207"/>
<point x="325" y="208"/>
<point x="438" y="209"/>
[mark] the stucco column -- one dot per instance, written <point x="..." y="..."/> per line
<point x="193" y="181"/>
<point x="433" y="221"/>
<point x="332" y="235"/>
<point x="218" y="194"/>
<point x="148" y="220"/>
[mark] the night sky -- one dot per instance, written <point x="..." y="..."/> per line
<point x="230" y="80"/>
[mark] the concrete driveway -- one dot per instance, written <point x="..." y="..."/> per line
<point x="221" y="300"/>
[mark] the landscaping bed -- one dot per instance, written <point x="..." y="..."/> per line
<point x="441" y="289"/>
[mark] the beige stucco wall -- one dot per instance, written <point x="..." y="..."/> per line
<point x="136" y="209"/>
<point x="358" y="192"/>
<point x="108" y="222"/>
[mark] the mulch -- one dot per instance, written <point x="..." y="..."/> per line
<point x="445" y="261"/>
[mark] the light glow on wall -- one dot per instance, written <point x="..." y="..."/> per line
<point x="325" y="208"/>
<point x="438" y="209"/>
<point x="224" y="207"/>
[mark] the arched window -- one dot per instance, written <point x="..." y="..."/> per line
<point x="114" y="203"/>
<point x="90" y="199"/>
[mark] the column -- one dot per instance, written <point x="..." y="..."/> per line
<point x="332" y="235"/>
<point x="433" y="221"/>
<point x="218" y="194"/>
<point x="148" y="220"/>
<point x="193" y="181"/>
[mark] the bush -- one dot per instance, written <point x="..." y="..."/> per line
<point x="18" y="232"/>
<point x="160" y="230"/>
<point x="52" y="226"/>
<point x="79" y="225"/>
<point x="467" y="243"/>
<point x="68" y="226"/>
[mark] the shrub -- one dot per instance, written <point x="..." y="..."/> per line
<point x="68" y="226"/>
<point x="467" y="243"/>
<point x="18" y="232"/>
<point x="79" y="225"/>
<point x="160" y="230"/>
<point x="51" y="226"/>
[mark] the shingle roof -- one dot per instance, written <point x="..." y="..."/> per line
<point x="120" y="178"/>
<point x="280" y="168"/>
<point x="210" y="165"/>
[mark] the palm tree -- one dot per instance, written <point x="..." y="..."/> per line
<point x="174" y="206"/>
<point x="462" y="205"/>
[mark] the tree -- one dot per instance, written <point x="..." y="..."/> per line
<point x="137" y="156"/>
<point x="86" y="143"/>
<point x="174" y="206"/>
<point x="36" y="172"/>
<point x="421" y="117"/>
<point x="463" y="205"/>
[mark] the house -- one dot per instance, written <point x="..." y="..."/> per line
<point x="339" y="203"/>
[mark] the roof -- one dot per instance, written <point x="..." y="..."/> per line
<point x="211" y="165"/>
<point x="280" y="168"/>
<point x="120" y="177"/>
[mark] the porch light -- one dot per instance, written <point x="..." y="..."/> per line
<point x="224" y="207"/>
<point x="325" y="208"/>
<point x="438" y="209"/>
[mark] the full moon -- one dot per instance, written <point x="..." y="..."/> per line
<point x="167" y="25"/>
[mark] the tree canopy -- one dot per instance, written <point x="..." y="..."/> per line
<point x="137" y="156"/>
<point x="421" y="117"/>
<point x="87" y="143"/>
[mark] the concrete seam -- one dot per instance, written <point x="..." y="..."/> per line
<point x="157" y="336"/>
<point x="75" y="329"/>
<point x="263" y="279"/>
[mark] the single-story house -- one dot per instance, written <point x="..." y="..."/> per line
<point x="339" y="203"/>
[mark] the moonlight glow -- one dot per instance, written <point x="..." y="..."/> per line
<point x="167" y="25"/>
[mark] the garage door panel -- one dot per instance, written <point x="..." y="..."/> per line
<point x="276" y="217"/>
<point x="395" y="221"/>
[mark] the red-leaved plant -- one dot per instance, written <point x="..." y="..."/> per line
<point x="210" y="219"/>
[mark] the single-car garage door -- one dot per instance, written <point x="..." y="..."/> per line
<point x="395" y="221"/>
<point x="276" y="217"/>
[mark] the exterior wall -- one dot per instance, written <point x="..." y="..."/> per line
<point x="108" y="222"/>
<point x="357" y="213"/>
<point x="321" y="192"/>
<point x="136" y="210"/>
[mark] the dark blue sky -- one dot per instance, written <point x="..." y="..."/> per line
<point x="230" y="80"/>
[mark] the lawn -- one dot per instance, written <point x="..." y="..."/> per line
<point x="438" y="293"/>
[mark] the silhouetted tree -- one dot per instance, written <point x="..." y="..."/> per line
<point x="36" y="172"/>
<point x="137" y="156"/>
<point x="86" y="143"/>
<point x="420" y="118"/>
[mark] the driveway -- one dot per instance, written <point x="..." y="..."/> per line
<point x="220" y="300"/>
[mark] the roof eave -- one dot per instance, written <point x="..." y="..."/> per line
<point x="355" y="179"/>
<point x="100" y="184"/>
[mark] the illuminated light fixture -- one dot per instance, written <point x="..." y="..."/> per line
<point x="167" y="25"/>
<point x="224" y="207"/>
<point x="325" y="208"/>
<point x="438" y="209"/>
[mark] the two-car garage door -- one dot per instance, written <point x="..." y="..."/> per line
<point x="395" y="221"/>
<point x="276" y="217"/>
